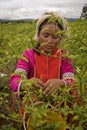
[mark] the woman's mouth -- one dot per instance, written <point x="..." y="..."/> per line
<point x="49" y="46"/>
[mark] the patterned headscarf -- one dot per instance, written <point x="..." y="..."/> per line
<point x="51" y="15"/>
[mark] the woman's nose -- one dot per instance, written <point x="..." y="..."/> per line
<point x="50" y="39"/>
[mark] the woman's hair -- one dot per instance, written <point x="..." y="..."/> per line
<point x="48" y="21"/>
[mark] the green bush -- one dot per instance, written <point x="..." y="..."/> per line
<point x="17" y="37"/>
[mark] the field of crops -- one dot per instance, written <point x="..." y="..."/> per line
<point x="14" y="39"/>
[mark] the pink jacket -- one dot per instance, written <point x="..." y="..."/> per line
<point x="26" y="64"/>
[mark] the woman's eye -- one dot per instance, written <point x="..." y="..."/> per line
<point x="46" y="35"/>
<point x="55" y="36"/>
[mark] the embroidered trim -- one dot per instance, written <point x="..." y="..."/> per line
<point x="68" y="75"/>
<point x="68" y="78"/>
<point x="21" y="71"/>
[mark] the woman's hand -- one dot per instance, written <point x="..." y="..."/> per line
<point x="38" y="83"/>
<point x="52" y="85"/>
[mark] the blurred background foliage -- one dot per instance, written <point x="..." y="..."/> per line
<point x="17" y="37"/>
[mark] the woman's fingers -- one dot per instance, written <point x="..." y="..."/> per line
<point x="38" y="83"/>
<point x="50" y="91"/>
<point x="51" y="87"/>
<point x="48" y="88"/>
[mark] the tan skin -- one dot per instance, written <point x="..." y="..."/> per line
<point x="49" y="40"/>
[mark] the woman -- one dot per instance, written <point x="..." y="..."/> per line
<point x="45" y="64"/>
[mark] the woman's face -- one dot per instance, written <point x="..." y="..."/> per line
<point x="48" y="37"/>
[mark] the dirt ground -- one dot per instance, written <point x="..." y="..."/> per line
<point x="5" y="106"/>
